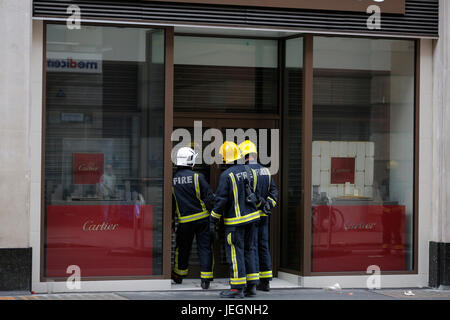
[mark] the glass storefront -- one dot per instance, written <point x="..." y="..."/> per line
<point x="104" y="144"/>
<point x="363" y="154"/>
<point x="104" y="138"/>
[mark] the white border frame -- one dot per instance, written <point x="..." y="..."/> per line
<point x="35" y="193"/>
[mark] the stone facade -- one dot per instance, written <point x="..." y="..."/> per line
<point x="15" y="157"/>
<point x="440" y="223"/>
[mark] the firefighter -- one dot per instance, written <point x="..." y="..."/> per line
<point x="192" y="201"/>
<point x="237" y="205"/>
<point x="268" y="193"/>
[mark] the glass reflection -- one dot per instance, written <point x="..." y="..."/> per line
<point x="363" y="154"/>
<point x="103" y="151"/>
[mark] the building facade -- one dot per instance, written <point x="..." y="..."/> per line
<point x="348" y="104"/>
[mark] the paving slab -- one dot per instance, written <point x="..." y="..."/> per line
<point x="416" y="294"/>
<point x="274" y="294"/>
<point x="191" y="290"/>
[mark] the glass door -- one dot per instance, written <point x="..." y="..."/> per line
<point x="262" y="132"/>
<point x="227" y="83"/>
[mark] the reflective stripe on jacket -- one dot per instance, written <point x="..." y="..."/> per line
<point x="230" y="198"/>
<point x="192" y="195"/>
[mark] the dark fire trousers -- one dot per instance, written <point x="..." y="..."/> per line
<point x="265" y="263"/>
<point x="184" y="236"/>
<point x="242" y="254"/>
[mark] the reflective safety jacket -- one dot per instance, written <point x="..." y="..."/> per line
<point x="192" y="195"/>
<point x="264" y="185"/>
<point x="230" y="199"/>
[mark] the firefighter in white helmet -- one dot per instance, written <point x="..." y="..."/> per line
<point x="192" y="201"/>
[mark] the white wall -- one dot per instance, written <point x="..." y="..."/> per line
<point x="440" y="222"/>
<point x="426" y="156"/>
<point x="15" y="49"/>
<point x="37" y="59"/>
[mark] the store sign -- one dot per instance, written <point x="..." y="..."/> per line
<point x="342" y="170"/>
<point x="386" y="6"/>
<point x="353" y="237"/>
<point x="87" y="168"/>
<point x="102" y="240"/>
<point x="71" y="64"/>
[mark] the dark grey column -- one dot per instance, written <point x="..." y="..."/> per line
<point x="15" y="269"/>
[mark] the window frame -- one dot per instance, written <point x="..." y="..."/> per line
<point x="307" y="117"/>
<point x="167" y="168"/>
<point x="308" y="69"/>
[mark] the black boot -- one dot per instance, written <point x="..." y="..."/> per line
<point x="232" y="293"/>
<point x="205" y="284"/>
<point x="176" y="278"/>
<point x="263" y="285"/>
<point x="250" y="290"/>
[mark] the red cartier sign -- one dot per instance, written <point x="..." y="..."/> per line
<point x="87" y="168"/>
<point x="354" y="237"/>
<point x="103" y="240"/>
<point x="342" y="170"/>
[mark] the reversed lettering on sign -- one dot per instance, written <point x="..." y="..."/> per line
<point x="104" y="226"/>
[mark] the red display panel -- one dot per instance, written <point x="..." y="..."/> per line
<point x="103" y="240"/>
<point x="342" y="170"/>
<point x="353" y="237"/>
<point x="87" y="168"/>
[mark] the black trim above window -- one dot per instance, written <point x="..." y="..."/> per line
<point x="421" y="18"/>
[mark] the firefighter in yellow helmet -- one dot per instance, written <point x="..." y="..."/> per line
<point x="237" y="206"/>
<point x="267" y="191"/>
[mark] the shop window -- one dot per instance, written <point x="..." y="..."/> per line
<point x="225" y="75"/>
<point x="104" y="119"/>
<point x="363" y="154"/>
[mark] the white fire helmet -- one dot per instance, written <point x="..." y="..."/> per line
<point x="186" y="157"/>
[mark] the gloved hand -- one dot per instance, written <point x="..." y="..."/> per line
<point x="267" y="209"/>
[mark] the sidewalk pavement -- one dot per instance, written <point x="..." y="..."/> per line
<point x="275" y="294"/>
<point x="281" y="290"/>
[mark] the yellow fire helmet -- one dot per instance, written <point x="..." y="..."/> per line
<point x="247" y="147"/>
<point x="230" y="152"/>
